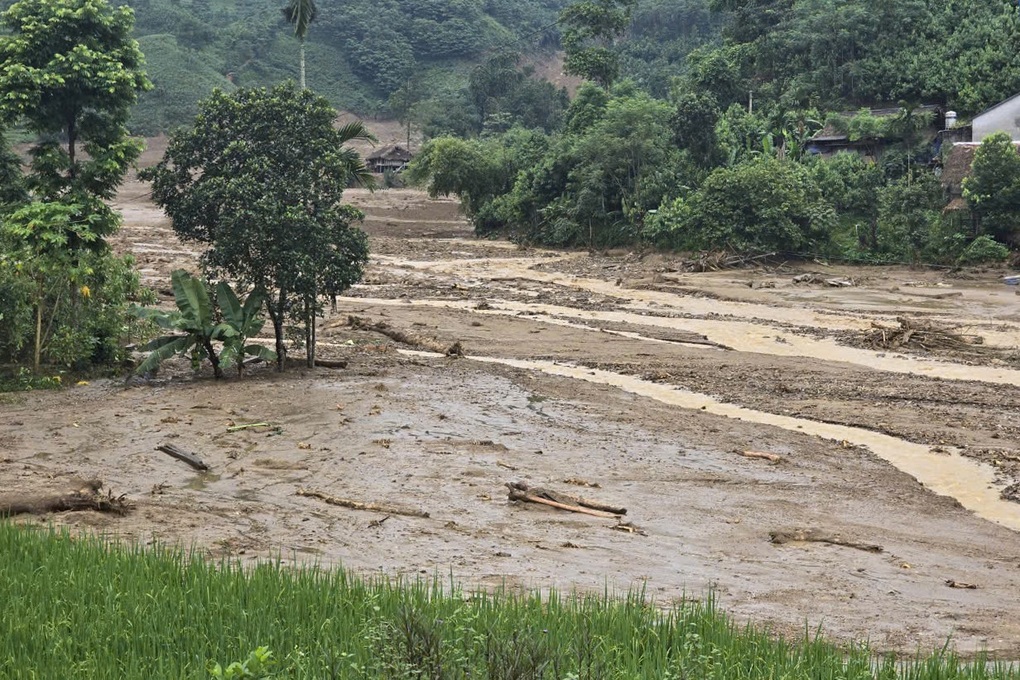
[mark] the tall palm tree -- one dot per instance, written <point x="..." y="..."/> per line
<point x="300" y="13"/>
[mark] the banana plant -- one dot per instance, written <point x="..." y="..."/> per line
<point x="247" y="321"/>
<point x="195" y="323"/>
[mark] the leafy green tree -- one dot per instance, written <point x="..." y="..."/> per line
<point x="259" y="177"/>
<point x="853" y="186"/>
<point x="301" y="14"/>
<point x="590" y="31"/>
<point x="993" y="188"/>
<point x="762" y="204"/>
<point x="70" y="71"/>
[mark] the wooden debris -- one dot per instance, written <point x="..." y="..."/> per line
<point x="630" y="528"/>
<point x="519" y="491"/>
<point x="819" y="536"/>
<point x="406" y="338"/>
<point x="775" y="458"/>
<point x="246" y="426"/>
<point x="378" y="522"/>
<point x="916" y="334"/>
<point x="508" y="466"/>
<point x="88" y="497"/>
<point x="330" y="363"/>
<point x="357" y="505"/>
<point x="930" y="296"/>
<point x="959" y="584"/>
<point x="715" y="261"/>
<point x="182" y="455"/>
<point x="581" y="482"/>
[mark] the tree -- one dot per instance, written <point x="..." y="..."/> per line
<point x="70" y="71"/>
<point x="762" y="204"/>
<point x="69" y="74"/>
<point x="590" y="29"/>
<point x="993" y="188"/>
<point x="301" y="13"/>
<point x="259" y="177"/>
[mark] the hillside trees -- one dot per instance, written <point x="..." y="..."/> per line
<point x="993" y="188"/>
<point x="259" y="178"/>
<point x="590" y="31"/>
<point x="69" y="74"/>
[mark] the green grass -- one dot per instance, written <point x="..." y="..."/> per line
<point x="85" y="608"/>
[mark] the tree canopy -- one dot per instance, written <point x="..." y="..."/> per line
<point x="259" y="177"/>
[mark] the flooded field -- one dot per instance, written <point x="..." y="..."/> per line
<point x="764" y="448"/>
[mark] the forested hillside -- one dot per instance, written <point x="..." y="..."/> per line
<point x="359" y="52"/>
<point x="705" y="122"/>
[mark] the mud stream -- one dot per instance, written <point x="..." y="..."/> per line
<point x="949" y="474"/>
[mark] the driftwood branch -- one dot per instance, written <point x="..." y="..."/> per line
<point x="182" y="455"/>
<point x="406" y="337"/>
<point x="775" y="458"/>
<point x="357" y="505"/>
<point x="519" y="491"/>
<point x="819" y="536"/>
<point x="87" y="497"/>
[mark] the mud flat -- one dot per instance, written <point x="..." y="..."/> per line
<point x="578" y="370"/>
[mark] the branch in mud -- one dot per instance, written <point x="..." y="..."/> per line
<point x="519" y="491"/>
<point x="406" y="337"/>
<point x="182" y="455"/>
<point x="819" y="536"/>
<point x="88" y="497"/>
<point x="357" y="505"/>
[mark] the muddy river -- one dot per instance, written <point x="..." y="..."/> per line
<point x="720" y="408"/>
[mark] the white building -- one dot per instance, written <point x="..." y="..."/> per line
<point x="1003" y="117"/>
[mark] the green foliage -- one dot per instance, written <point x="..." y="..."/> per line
<point x="760" y="205"/>
<point x="259" y="179"/>
<point x="593" y="184"/>
<point x="198" y="323"/>
<point x="329" y="623"/>
<point x="257" y="666"/>
<point x="834" y="54"/>
<point x="590" y="30"/>
<point x="69" y="70"/>
<point x="63" y="292"/>
<point x="993" y="188"/>
<point x="195" y="323"/>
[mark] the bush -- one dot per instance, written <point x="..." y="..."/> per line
<point x="760" y="205"/>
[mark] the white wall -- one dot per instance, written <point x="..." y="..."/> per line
<point x="1002" y="118"/>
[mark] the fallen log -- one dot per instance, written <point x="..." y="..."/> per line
<point x="775" y="458"/>
<point x="406" y="337"/>
<point x="925" y="335"/>
<point x="358" y="505"/>
<point x="519" y="491"/>
<point x="182" y="455"/>
<point x="87" y="497"/>
<point x="330" y="363"/>
<point x="819" y="536"/>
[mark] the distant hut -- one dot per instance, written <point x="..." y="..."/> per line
<point x="392" y="158"/>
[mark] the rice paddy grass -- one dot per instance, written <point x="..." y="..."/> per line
<point x="82" y="607"/>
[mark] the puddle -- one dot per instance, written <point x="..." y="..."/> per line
<point x="968" y="481"/>
<point x="200" y="481"/>
<point x="741" y="336"/>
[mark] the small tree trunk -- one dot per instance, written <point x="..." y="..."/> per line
<point x="302" y="64"/>
<point x="276" y="314"/>
<point x="37" y="356"/>
<point x="213" y="359"/>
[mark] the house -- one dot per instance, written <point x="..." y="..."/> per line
<point x="830" y="140"/>
<point x="392" y="158"/>
<point x="1003" y="117"/>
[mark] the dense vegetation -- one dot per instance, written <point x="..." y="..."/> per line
<point x="359" y="52"/>
<point x="707" y="141"/>
<point x="83" y="608"/>
<point x="258" y="177"/>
